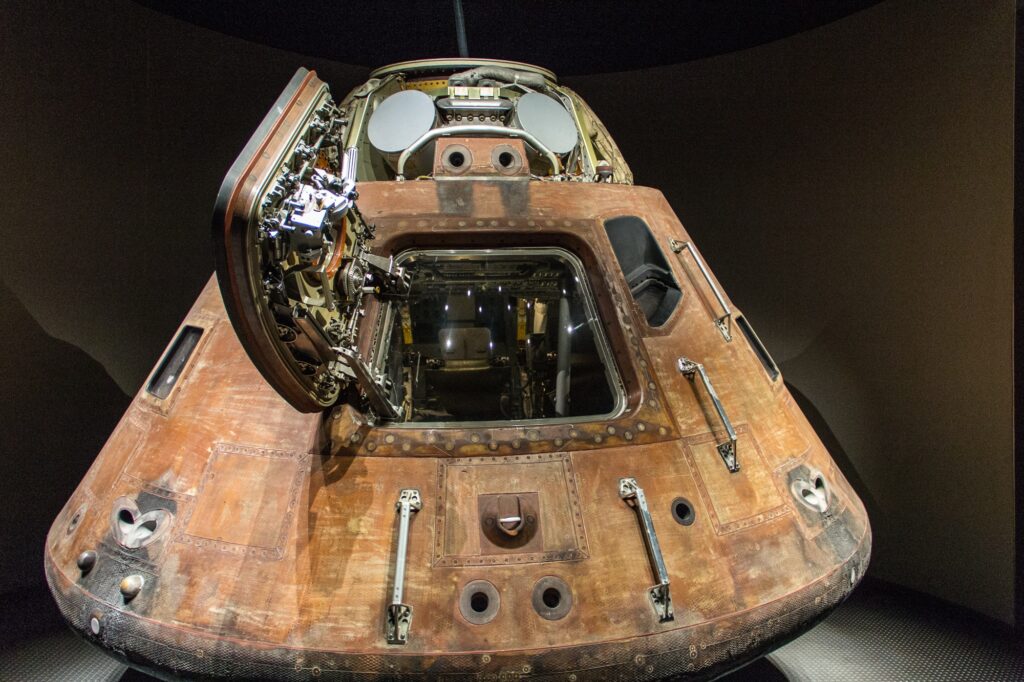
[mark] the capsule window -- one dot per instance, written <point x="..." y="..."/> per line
<point x="759" y="350"/>
<point x="647" y="273"/>
<point x="170" y="368"/>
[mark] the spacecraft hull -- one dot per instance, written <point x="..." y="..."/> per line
<point x="280" y="556"/>
<point x="223" y="533"/>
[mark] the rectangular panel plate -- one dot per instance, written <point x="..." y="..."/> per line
<point x="739" y="500"/>
<point x="461" y="482"/>
<point x="228" y="516"/>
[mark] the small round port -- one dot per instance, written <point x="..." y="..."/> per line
<point x="479" y="602"/>
<point x="682" y="511"/>
<point x="552" y="598"/>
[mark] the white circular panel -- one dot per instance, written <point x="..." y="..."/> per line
<point x="548" y="121"/>
<point x="400" y="120"/>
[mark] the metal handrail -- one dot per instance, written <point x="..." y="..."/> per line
<point x="660" y="596"/>
<point x="724" y="323"/>
<point x="475" y="129"/>
<point x="399" y="615"/>
<point x="726" y="450"/>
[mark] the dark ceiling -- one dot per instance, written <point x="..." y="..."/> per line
<point x="570" y="37"/>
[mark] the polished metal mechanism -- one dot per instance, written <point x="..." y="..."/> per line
<point x="660" y="596"/>
<point x="723" y="322"/>
<point x="375" y="387"/>
<point x="399" y="617"/>
<point x="727" y="450"/>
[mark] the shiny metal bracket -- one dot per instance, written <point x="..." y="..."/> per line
<point x="661" y="598"/>
<point x="724" y="322"/>
<point x="690" y="370"/>
<point x="399" y="616"/>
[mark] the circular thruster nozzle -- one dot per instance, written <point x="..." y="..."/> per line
<point x="548" y="121"/>
<point x="400" y="120"/>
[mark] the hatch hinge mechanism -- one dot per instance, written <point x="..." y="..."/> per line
<point x="317" y="270"/>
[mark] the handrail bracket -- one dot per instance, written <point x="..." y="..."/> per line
<point x="659" y="594"/>
<point x="724" y="321"/>
<point x="399" y="615"/>
<point x="727" y="450"/>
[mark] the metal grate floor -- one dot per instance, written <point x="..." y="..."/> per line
<point x="876" y="635"/>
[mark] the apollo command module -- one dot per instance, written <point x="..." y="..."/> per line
<point x="462" y="403"/>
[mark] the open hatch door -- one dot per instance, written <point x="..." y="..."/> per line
<point x="292" y="256"/>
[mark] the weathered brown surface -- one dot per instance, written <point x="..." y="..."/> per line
<point x="280" y="554"/>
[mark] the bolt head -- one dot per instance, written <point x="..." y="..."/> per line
<point x="131" y="585"/>
<point x="86" y="560"/>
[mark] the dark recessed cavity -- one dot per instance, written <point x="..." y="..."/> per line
<point x="75" y="520"/>
<point x="682" y="511"/>
<point x="506" y="159"/>
<point x="479" y="602"/>
<point x="286" y="333"/>
<point x="457" y="159"/>
<point x="552" y="598"/>
<point x="813" y="490"/>
<point x="134" y="529"/>
<point x="173" y="362"/>
<point x="759" y="350"/>
<point x="507" y="334"/>
<point x="647" y="272"/>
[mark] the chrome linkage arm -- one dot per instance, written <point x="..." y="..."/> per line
<point x="661" y="598"/>
<point x="691" y="370"/>
<point x="399" y="616"/>
<point x="723" y="322"/>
